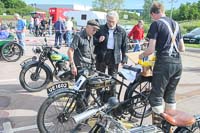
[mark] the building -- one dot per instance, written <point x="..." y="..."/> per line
<point x="46" y="7"/>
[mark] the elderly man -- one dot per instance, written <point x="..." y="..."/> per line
<point x="82" y="46"/>
<point x="20" y="30"/>
<point x="110" y="46"/>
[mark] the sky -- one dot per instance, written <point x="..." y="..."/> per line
<point x="128" y="4"/>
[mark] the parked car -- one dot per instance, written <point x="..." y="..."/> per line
<point x="192" y="37"/>
<point x="127" y="28"/>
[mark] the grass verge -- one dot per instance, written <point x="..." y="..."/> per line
<point x="192" y="45"/>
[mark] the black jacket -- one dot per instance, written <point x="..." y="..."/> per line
<point x="120" y="44"/>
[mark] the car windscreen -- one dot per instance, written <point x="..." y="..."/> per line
<point x="195" y="31"/>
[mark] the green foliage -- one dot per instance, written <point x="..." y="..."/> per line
<point x="1" y="4"/>
<point x="14" y="6"/>
<point x="131" y="15"/>
<point x="187" y="26"/>
<point x="188" y="11"/>
<point x="192" y="45"/>
<point x="107" y="5"/>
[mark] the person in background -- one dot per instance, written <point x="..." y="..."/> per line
<point x="137" y="35"/>
<point x="4" y="34"/>
<point x="165" y="38"/>
<point x="36" y="25"/>
<point x="74" y="24"/>
<point x="20" y="30"/>
<point x="59" y="30"/>
<point x="31" y="25"/>
<point x="43" y="26"/>
<point x="69" y="31"/>
<point x="110" y="46"/>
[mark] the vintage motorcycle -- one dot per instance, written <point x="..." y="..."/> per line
<point x="179" y="120"/>
<point x="36" y="74"/>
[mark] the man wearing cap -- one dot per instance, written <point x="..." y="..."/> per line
<point x="82" y="46"/>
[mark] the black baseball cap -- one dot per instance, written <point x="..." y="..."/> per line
<point x="93" y="23"/>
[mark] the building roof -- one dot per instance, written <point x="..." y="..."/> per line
<point x="71" y="6"/>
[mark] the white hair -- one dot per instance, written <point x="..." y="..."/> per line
<point x="113" y="14"/>
<point x="16" y="15"/>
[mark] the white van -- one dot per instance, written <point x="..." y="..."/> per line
<point x="81" y="17"/>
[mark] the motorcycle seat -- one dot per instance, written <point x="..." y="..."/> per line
<point x="178" y="118"/>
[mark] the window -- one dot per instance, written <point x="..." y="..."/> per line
<point x="83" y="17"/>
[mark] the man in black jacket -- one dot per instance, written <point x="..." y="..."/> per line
<point x="110" y="46"/>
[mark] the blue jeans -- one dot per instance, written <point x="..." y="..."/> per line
<point x="68" y="37"/>
<point x="21" y="39"/>
<point x="137" y="46"/>
<point x="58" y="39"/>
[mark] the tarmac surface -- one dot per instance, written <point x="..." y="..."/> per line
<point x="18" y="108"/>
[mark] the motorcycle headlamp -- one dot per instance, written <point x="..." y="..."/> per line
<point x="36" y="50"/>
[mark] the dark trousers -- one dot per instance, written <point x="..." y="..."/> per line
<point x="108" y="62"/>
<point x="58" y="38"/>
<point x="166" y="75"/>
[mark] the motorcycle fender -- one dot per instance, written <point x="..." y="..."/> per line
<point x="28" y="63"/>
<point x="31" y="62"/>
<point x="62" y="90"/>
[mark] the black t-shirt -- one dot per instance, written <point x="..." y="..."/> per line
<point x="43" y="22"/>
<point x="159" y="31"/>
<point x="82" y="47"/>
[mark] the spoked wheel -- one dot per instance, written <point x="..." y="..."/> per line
<point x="11" y="52"/>
<point x="139" y="101"/>
<point x="53" y="116"/>
<point x="33" y="81"/>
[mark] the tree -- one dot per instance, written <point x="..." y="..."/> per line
<point x="107" y="5"/>
<point x="1" y="4"/>
<point x="17" y="4"/>
<point x="146" y="7"/>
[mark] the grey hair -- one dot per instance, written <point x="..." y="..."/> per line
<point x="16" y="15"/>
<point x="113" y="14"/>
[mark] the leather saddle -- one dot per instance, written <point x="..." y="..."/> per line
<point x="178" y="118"/>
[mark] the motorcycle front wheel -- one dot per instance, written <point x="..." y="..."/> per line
<point x="55" y="113"/>
<point x="11" y="52"/>
<point x="33" y="81"/>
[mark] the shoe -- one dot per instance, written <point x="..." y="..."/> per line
<point x="57" y="46"/>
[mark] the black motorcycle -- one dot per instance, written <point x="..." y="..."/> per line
<point x="36" y="74"/>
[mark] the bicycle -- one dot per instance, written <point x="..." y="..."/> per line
<point x="183" y="122"/>
<point x="64" y="101"/>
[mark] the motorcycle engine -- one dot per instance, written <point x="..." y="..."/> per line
<point x="64" y="72"/>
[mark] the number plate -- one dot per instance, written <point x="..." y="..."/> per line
<point x="56" y="87"/>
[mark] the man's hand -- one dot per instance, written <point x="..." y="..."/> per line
<point x="141" y="56"/>
<point x="101" y="38"/>
<point x="74" y="70"/>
